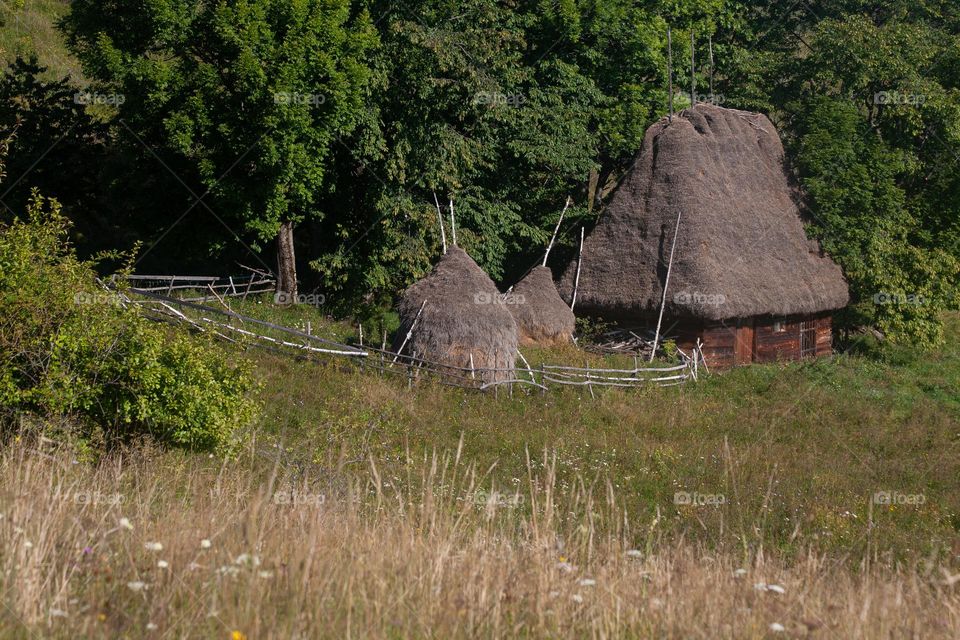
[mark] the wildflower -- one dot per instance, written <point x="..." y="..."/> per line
<point x="587" y="582"/>
<point x="205" y="544"/>
<point x="102" y="617"/>
<point x="87" y="551"/>
<point x="577" y="598"/>
<point x="162" y="564"/>
<point x="237" y="635"/>
<point x="136" y="585"/>
<point x="58" y="613"/>
<point x="266" y="575"/>
<point x="776" y="589"/>
<point x="151" y="626"/>
<point x="776" y="627"/>
<point x="125" y="523"/>
<point x="153" y="546"/>
<point x="247" y="559"/>
<point x="634" y="553"/>
<point x="656" y="603"/>
<point x="27" y="544"/>
<point x="760" y="586"/>
<point x="738" y="573"/>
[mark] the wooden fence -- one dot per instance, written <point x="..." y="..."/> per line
<point x="212" y="286"/>
<point x="234" y="327"/>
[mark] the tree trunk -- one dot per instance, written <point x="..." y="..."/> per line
<point x="286" y="266"/>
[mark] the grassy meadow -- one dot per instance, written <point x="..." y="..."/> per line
<point x="356" y="507"/>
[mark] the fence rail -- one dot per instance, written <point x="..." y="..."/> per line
<point x="234" y="327"/>
<point x="218" y="286"/>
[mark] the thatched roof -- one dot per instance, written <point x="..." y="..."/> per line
<point x="741" y="250"/>
<point x="463" y="316"/>
<point x="543" y="318"/>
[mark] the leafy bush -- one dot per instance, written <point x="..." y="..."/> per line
<point x="70" y="348"/>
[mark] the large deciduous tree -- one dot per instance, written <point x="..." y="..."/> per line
<point x="253" y="93"/>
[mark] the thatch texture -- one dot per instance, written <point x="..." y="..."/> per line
<point x="741" y="251"/>
<point x="543" y="318"/>
<point x="463" y="316"/>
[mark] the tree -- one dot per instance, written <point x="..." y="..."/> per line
<point x="255" y="94"/>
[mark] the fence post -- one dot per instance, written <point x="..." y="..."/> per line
<point x="247" y="290"/>
<point x="170" y="287"/>
<point x="589" y="384"/>
<point x="543" y="379"/>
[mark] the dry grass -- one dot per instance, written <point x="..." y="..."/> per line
<point x="431" y="553"/>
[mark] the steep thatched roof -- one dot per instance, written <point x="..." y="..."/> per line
<point x="463" y="316"/>
<point x="543" y="318"/>
<point x="741" y="250"/>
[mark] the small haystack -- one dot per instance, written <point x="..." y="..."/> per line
<point x="463" y="317"/>
<point x="542" y="317"/>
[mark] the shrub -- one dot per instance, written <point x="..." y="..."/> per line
<point x="70" y="348"/>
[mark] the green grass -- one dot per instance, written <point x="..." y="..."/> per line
<point x="31" y="28"/>
<point x="798" y="450"/>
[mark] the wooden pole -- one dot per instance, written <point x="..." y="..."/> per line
<point x="666" y="282"/>
<point x="409" y="332"/>
<point x="670" y="74"/>
<point x="693" y="78"/>
<point x="576" y="281"/>
<point x="527" y="365"/>
<point x="557" y="229"/>
<point x="443" y="234"/>
<point x="453" y="224"/>
<point x="710" y="45"/>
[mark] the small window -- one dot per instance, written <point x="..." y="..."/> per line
<point x="779" y="326"/>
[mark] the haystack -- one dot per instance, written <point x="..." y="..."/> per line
<point x="741" y="250"/>
<point x="542" y="317"/>
<point x="463" y="316"/>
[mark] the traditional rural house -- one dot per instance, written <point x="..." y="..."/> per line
<point x="744" y="278"/>
<point x="455" y="317"/>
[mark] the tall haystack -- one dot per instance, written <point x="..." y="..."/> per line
<point x="463" y="316"/>
<point x="742" y="256"/>
<point x="543" y="318"/>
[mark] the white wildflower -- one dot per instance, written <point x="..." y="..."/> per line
<point x="776" y="627"/>
<point x="58" y="613"/>
<point x="760" y="586"/>
<point x="738" y="573"/>
<point x="27" y="544"/>
<point x="266" y="575"/>
<point x="776" y="589"/>
<point x="125" y="524"/>
<point x="153" y="546"/>
<point x="634" y="553"/>
<point x="577" y="598"/>
<point x="162" y="564"/>
<point x="151" y="626"/>
<point x="205" y="544"/>
<point x="587" y="582"/>
<point x="136" y="585"/>
<point x="247" y="559"/>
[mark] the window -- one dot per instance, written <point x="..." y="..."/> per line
<point x="779" y="326"/>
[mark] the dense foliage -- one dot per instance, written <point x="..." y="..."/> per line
<point x="506" y="108"/>
<point x="71" y="353"/>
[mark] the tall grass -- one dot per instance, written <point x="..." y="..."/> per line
<point x="151" y="544"/>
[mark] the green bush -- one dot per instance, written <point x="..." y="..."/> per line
<point x="70" y="349"/>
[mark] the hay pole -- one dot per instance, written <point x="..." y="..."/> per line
<point x="557" y="229"/>
<point x="409" y="332"/>
<point x="527" y="365"/>
<point x="453" y="223"/>
<point x="576" y="281"/>
<point x="693" y="69"/>
<point x="443" y="234"/>
<point x="473" y="375"/>
<point x="670" y="74"/>
<point x="710" y="45"/>
<point x="666" y="283"/>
